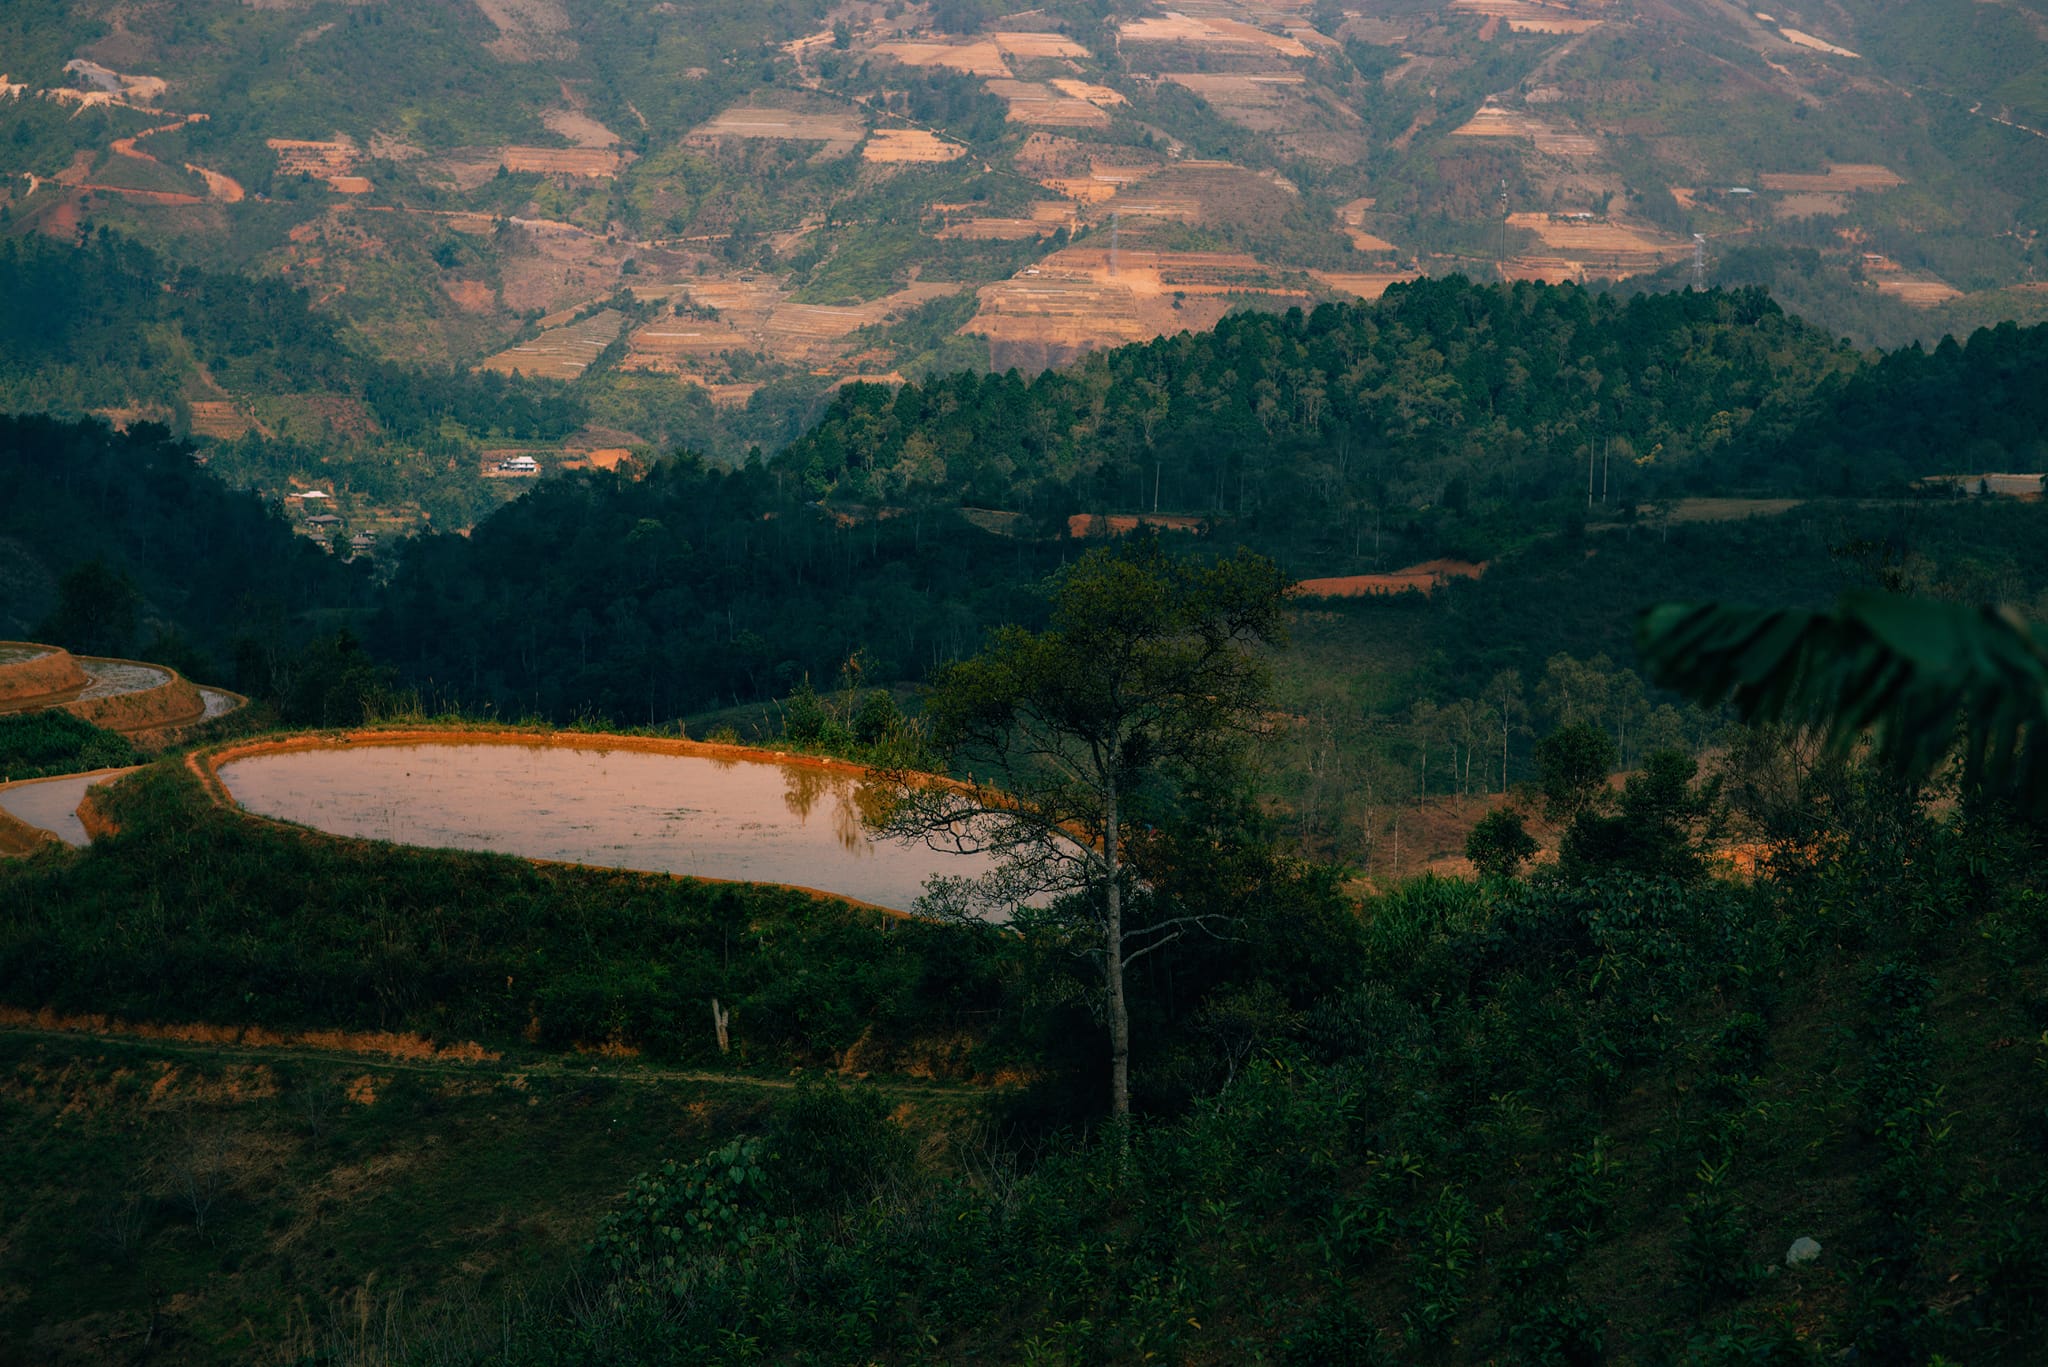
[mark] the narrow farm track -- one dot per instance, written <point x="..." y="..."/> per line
<point x="580" y="1068"/>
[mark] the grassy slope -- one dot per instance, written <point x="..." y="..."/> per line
<point x="356" y="1195"/>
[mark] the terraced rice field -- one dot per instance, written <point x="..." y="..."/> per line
<point x="51" y="804"/>
<point x="748" y="818"/>
<point x="564" y="353"/>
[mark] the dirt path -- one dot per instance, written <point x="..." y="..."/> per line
<point x="580" y="1067"/>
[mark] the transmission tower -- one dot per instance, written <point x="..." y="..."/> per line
<point x="1699" y="261"/>
<point x="1115" y="222"/>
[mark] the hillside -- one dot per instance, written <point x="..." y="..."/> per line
<point x="790" y="197"/>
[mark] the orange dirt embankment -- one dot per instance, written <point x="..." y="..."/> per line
<point x="18" y="837"/>
<point x="379" y="1043"/>
<point x="205" y="766"/>
<point x="170" y="704"/>
<point x="1423" y="578"/>
<point x="52" y="673"/>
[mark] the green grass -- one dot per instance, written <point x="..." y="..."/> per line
<point x="355" y="1196"/>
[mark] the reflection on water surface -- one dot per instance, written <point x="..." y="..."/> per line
<point x="754" y="821"/>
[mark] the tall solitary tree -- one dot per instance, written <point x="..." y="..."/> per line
<point x="1078" y="740"/>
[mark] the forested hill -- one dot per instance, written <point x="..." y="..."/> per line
<point x="193" y="569"/>
<point x="1443" y="393"/>
<point x="1448" y="408"/>
<point x="1972" y="407"/>
<point x="113" y="326"/>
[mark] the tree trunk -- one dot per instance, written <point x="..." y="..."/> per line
<point x="1113" y="969"/>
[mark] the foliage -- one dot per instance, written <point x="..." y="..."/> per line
<point x="55" y="742"/>
<point x="1499" y="844"/>
<point x="1132" y="705"/>
<point x="1572" y="765"/>
<point x="1902" y="670"/>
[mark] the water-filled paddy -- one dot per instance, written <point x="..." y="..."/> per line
<point x="51" y="804"/>
<point x="746" y="820"/>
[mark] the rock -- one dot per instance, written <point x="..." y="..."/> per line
<point x="1803" y="1250"/>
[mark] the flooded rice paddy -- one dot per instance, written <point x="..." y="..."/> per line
<point x="739" y="819"/>
<point x="108" y="678"/>
<point x="51" y="804"/>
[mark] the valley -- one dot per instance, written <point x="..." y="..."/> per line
<point x="1203" y="681"/>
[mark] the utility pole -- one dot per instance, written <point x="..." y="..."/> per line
<point x="1115" y="222"/>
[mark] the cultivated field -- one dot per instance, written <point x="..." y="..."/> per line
<point x="909" y="145"/>
<point x="746" y="317"/>
<point x="1606" y="246"/>
<point x="1922" y="292"/>
<point x="1524" y="17"/>
<point x="564" y="353"/>
<point x="1078" y="299"/>
<point x="1038" y="46"/>
<point x="840" y="130"/>
<point x="1496" y="121"/>
<point x="1362" y="284"/>
<point x="1839" y="178"/>
<point x="1188" y="30"/>
<point x="981" y="58"/>
<point x="1046" y="107"/>
<point x="593" y="163"/>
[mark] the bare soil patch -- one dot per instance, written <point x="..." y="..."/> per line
<point x="1423" y="578"/>
<point x="1807" y="40"/>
